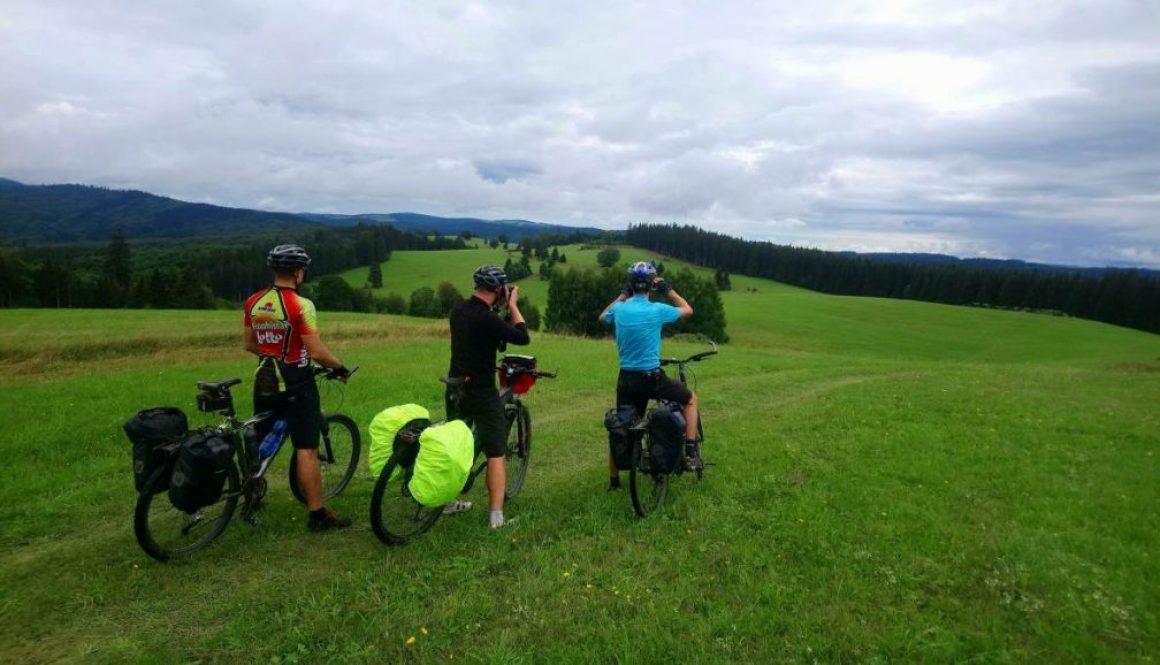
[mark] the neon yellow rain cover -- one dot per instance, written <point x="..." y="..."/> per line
<point x="445" y="454"/>
<point x="383" y="429"/>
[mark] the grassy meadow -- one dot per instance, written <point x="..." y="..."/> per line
<point x="891" y="481"/>
<point x="407" y="271"/>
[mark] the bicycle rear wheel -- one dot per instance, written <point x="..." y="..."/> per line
<point x="519" y="448"/>
<point x="339" y="448"/>
<point x="165" y="532"/>
<point x="699" y="472"/>
<point x="647" y="488"/>
<point x="396" y="516"/>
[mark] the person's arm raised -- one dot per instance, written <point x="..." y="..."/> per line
<point x="682" y="304"/>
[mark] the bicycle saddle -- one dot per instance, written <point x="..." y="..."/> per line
<point x="217" y="386"/>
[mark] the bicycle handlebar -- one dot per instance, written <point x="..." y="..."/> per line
<point x="329" y="374"/>
<point x="545" y="375"/>
<point x="695" y="358"/>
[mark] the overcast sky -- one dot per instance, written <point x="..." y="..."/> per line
<point x="1019" y="129"/>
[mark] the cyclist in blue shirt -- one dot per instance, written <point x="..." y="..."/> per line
<point x="638" y="322"/>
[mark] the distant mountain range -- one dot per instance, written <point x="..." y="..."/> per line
<point x="82" y="213"/>
<point x="34" y="214"/>
<point x="998" y="264"/>
<point x="514" y="229"/>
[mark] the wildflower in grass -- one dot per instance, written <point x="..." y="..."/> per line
<point x="411" y="640"/>
<point x="423" y="630"/>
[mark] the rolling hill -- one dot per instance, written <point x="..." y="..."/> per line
<point x="83" y="213"/>
<point x="514" y="229"/>
<point x="80" y="213"/>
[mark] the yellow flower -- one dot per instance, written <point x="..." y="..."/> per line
<point x="423" y="630"/>
<point x="410" y="640"/>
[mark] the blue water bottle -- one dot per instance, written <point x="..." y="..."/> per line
<point x="270" y="444"/>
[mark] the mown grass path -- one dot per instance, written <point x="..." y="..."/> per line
<point x="893" y="481"/>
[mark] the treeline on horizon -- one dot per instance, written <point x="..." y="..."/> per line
<point x="1123" y="297"/>
<point x="193" y="273"/>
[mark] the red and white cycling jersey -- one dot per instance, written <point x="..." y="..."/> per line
<point x="279" y="318"/>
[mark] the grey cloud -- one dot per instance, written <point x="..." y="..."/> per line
<point x="741" y="118"/>
<point x="501" y="172"/>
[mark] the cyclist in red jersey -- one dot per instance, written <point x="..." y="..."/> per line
<point x="282" y="330"/>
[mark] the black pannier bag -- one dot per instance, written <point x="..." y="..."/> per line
<point x="154" y="434"/>
<point x="617" y="421"/>
<point x="666" y="432"/>
<point x="200" y="472"/>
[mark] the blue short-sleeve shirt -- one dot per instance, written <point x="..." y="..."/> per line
<point x="638" y="324"/>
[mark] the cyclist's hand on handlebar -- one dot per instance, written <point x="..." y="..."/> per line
<point x="341" y="373"/>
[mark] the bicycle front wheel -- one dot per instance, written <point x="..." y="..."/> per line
<point x="647" y="488"/>
<point x="519" y="448"/>
<point x="165" y="532"/>
<point x="396" y="516"/>
<point x="339" y="447"/>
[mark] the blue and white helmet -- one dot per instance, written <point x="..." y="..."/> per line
<point x="641" y="275"/>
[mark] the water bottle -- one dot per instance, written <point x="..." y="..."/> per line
<point x="270" y="444"/>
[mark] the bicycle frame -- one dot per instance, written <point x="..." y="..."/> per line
<point x="237" y="431"/>
<point x="508" y="398"/>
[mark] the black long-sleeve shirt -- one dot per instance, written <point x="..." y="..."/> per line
<point x="477" y="333"/>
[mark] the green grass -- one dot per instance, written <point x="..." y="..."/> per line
<point x="893" y="481"/>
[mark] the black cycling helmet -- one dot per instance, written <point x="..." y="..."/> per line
<point x="490" y="277"/>
<point x="641" y="275"/>
<point x="287" y="258"/>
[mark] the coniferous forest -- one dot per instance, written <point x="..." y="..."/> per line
<point x="193" y="273"/>
<point x="1124" y="297"/>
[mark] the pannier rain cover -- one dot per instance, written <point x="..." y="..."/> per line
<point x="383" y="429"/>
<point x="445" y="454"/>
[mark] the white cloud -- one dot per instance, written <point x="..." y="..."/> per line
<point x="993" y="128"/>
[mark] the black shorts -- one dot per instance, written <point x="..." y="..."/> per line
<point x="301" y="409"/>
<point x="482" y="408"/>
<point x="635" y="388"/>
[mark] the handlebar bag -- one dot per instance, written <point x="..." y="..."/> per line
<point x="445" y="454"/>
<point x="385" y="428"/>
<point x="149" y="431"/>
<point x="200" y="472"/>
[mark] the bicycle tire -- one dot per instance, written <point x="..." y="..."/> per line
<point x="336" y="465"/>
<point x="156" y="521"/>
<point x="396" y="516"/>
<point x="647" y="488"/>
<point x="519" y="449"/>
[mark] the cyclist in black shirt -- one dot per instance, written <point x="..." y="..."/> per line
<point x="477" y="334"/>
